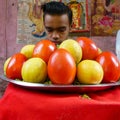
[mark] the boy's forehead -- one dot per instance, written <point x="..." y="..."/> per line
<point x="56" y="19"/>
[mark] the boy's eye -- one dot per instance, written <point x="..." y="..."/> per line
<point x="62" y="29"/>
<point x="49" y="29"/>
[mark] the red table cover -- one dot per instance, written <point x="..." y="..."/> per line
<point x="22" y="104"/>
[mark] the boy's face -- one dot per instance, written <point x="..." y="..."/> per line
<point x="57" y="27"/>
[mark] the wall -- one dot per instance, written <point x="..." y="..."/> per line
<point x="2" y="29"/>
<point x="8" y="27"/>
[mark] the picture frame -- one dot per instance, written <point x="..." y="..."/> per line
<point x="105" y="17"/>
<point x="80" y="15"/>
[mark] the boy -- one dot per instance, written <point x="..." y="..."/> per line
<point x="57" y="19"/>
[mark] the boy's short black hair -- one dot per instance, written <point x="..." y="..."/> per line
<point x="57" y="8"/>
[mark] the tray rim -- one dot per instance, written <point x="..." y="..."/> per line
<point x="28" y="84"/>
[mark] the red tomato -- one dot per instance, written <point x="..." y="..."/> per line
<point x="13" y="70"/>
<point x="111" y="66"/>
<point x="89" y="48"/>
<point x="61" y="67"/>
<point x="44" y="49"/>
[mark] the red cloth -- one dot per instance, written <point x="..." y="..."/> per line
<point x="23" y="104"/>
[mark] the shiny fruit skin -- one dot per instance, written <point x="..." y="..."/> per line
<point x="73" y="48"/>
<point x="89" y="48"/>
<point x="61" y="67"/>
<point x="89" y="72"/>
<point x="34" y="70"/>
<point x="27" y="50"/>
<point x="43" y="49"/>
<point x="13" y="70"/>
<point x="111" y="66"/>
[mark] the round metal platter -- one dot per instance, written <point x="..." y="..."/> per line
<point x="62" y="88"/>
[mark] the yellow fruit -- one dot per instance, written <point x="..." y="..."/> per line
<point x="99" y="50"/>
<point x="5" y="64"/>
<point x="34" y="70"/>
<point x="73" y="48"/>
<point x="89" y="72"/>
<point x="27" y="50"/>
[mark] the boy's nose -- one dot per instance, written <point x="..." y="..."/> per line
<point x="55" y="35"/>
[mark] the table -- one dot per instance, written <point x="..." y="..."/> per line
<point x="23" y="104"/>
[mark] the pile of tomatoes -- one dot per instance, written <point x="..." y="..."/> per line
<point x="61" y="66"/>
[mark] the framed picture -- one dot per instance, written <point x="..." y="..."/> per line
<point x="105" y="17"/>
<point x="80" y="15"/>
<point x="30" y="28"/>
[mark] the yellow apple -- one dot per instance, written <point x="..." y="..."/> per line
<point x="27" y="50"/>
<point x="73" y="48"/>
<point x="99" y="50"/>
<point x="5" y="65"/>
<point x="89" y="72"/>
<point x="34" y="70"/>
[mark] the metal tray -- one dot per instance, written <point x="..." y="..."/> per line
<point x="62" y="88"/>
